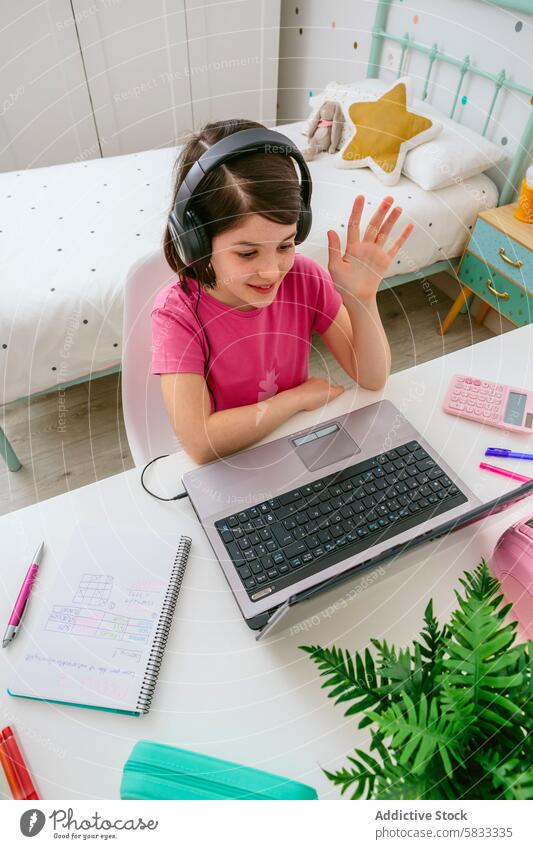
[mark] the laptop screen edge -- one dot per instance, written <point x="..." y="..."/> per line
<point x="482" y="510"/>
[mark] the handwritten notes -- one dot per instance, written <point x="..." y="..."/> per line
<point x="90" y="633"/>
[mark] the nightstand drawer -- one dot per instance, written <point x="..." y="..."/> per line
<point x="502" y="294"/>
<point x="504" y="253"/>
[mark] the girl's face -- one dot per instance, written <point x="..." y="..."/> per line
<point x="250" y="261"/>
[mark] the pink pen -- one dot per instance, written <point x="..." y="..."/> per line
<point x="22" y="599"/>
<point x="505" y="472"/>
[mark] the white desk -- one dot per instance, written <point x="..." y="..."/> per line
<point x="219" y="691"/>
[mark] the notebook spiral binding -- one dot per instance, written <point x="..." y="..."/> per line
<point x="163" y="626"/>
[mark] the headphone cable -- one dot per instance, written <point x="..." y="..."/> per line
<point x="206" y="364"/>
<point x="159" y="497"/>
<point x="184" y="494"/>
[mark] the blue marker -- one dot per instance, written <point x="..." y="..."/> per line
<point x="506" y="452"/>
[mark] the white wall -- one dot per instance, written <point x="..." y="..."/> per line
<point x="135" y="59"/>
<point x="157" y="69"/>
<point x="325" y="50"/>
<point x="45" y="110"/>
<point x="87" y="78"/>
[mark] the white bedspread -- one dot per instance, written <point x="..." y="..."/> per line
<point x="69" y="233"/>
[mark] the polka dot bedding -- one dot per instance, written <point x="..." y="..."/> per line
<point x="69" y="233"/>
<point x="443" y="219"/>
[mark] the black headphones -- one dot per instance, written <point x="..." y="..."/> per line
<point x="188" y="232"/>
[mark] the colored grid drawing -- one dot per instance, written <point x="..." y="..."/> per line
<point x="88" y="622"/>
<point x="93" y="589"/>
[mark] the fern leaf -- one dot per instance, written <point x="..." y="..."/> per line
<point x="509" y="778"/>
<point x="348" y="683"/>
<point x="478" y="646"/>
<point x="417" y="735"/>
<point x="450" y="717"/>
<point x="432" y="635"/>
<point x="363" y="774"/>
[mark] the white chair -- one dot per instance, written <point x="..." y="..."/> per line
<point x="148" y="428"/>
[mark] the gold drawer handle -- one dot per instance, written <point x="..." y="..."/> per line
<point x="516" y="263"/>
<point x="503" y="295"/>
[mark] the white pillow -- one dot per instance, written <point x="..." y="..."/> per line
<point x="393" y="150"/>
<point x="455" y="155"/>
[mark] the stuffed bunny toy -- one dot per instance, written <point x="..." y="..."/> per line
<point x="325" y="129"/>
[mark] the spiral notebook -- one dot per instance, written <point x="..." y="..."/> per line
<point x="97" y="625"/>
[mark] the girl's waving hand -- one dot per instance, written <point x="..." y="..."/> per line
<point x="359" y="271"/>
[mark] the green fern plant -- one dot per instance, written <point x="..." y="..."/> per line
<point x="450" y="717"/>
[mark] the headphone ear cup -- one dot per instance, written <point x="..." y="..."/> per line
<point x="191" y="241"/>
<point x="200" y="243"/>
<point x="181" y="239"/>
<point x="174" y="232"/>
<point x="305" y="219"/>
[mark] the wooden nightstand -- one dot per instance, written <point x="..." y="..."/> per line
<point x="497" y="265"/>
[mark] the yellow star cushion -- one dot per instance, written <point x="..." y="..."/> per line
<point x="385" y="131"/>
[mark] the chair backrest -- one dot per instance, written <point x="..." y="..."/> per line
<point x="148" y="428"/>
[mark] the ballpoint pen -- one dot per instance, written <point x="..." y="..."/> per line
<point x="505" y="472"/>
<point x="22" y="599"/>
<point x="506" y="452"/>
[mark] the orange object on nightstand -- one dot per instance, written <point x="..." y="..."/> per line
<point x="524" y="210"/>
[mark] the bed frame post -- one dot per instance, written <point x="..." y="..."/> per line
<point x="6" y="451"/>
<point x="515" y="171"/>
<point x="380" y="21"/>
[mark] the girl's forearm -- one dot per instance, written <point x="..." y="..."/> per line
<point x="371" y="351"/>
<point x="239" y="427"/>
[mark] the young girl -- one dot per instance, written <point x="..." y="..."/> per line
<point x="250" y="313"/>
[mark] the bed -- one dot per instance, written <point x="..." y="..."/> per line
<point x="442" y="218"/>
<point x="73" y="231"/>
<point x="70" y="233"/>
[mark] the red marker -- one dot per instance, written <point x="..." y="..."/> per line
<point x="17" y="774"/>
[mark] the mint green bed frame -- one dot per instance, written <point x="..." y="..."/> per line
<point x="500" y="81"/>
<point x="434" y="54"/>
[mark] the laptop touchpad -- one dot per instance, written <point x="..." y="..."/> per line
<point x="323" y="446"/>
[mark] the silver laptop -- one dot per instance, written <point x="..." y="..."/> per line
<point x="294" y="517"/>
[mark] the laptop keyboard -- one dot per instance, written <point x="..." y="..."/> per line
<point x="284" y="539"/>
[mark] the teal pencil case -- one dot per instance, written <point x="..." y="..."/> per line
<point x="156" y="771"/>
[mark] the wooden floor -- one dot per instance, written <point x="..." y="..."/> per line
<point x="94" y="445"/>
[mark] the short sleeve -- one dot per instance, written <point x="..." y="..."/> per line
<point x="328" y="300"/>
<point x="176" y="342"/>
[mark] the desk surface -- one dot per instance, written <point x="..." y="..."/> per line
<point x="219" y="691"/>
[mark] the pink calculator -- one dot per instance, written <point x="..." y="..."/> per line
<point x="494" y="404"/>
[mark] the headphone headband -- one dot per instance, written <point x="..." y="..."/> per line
<point x="252" y="140"/>
<point x="187" y="232"/>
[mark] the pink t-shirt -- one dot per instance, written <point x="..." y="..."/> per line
<point x="254" y="353"/>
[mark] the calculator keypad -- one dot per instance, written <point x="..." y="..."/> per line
<point x="477" y="399"/>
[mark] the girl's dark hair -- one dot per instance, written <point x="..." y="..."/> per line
<point x="262" y="183"/>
